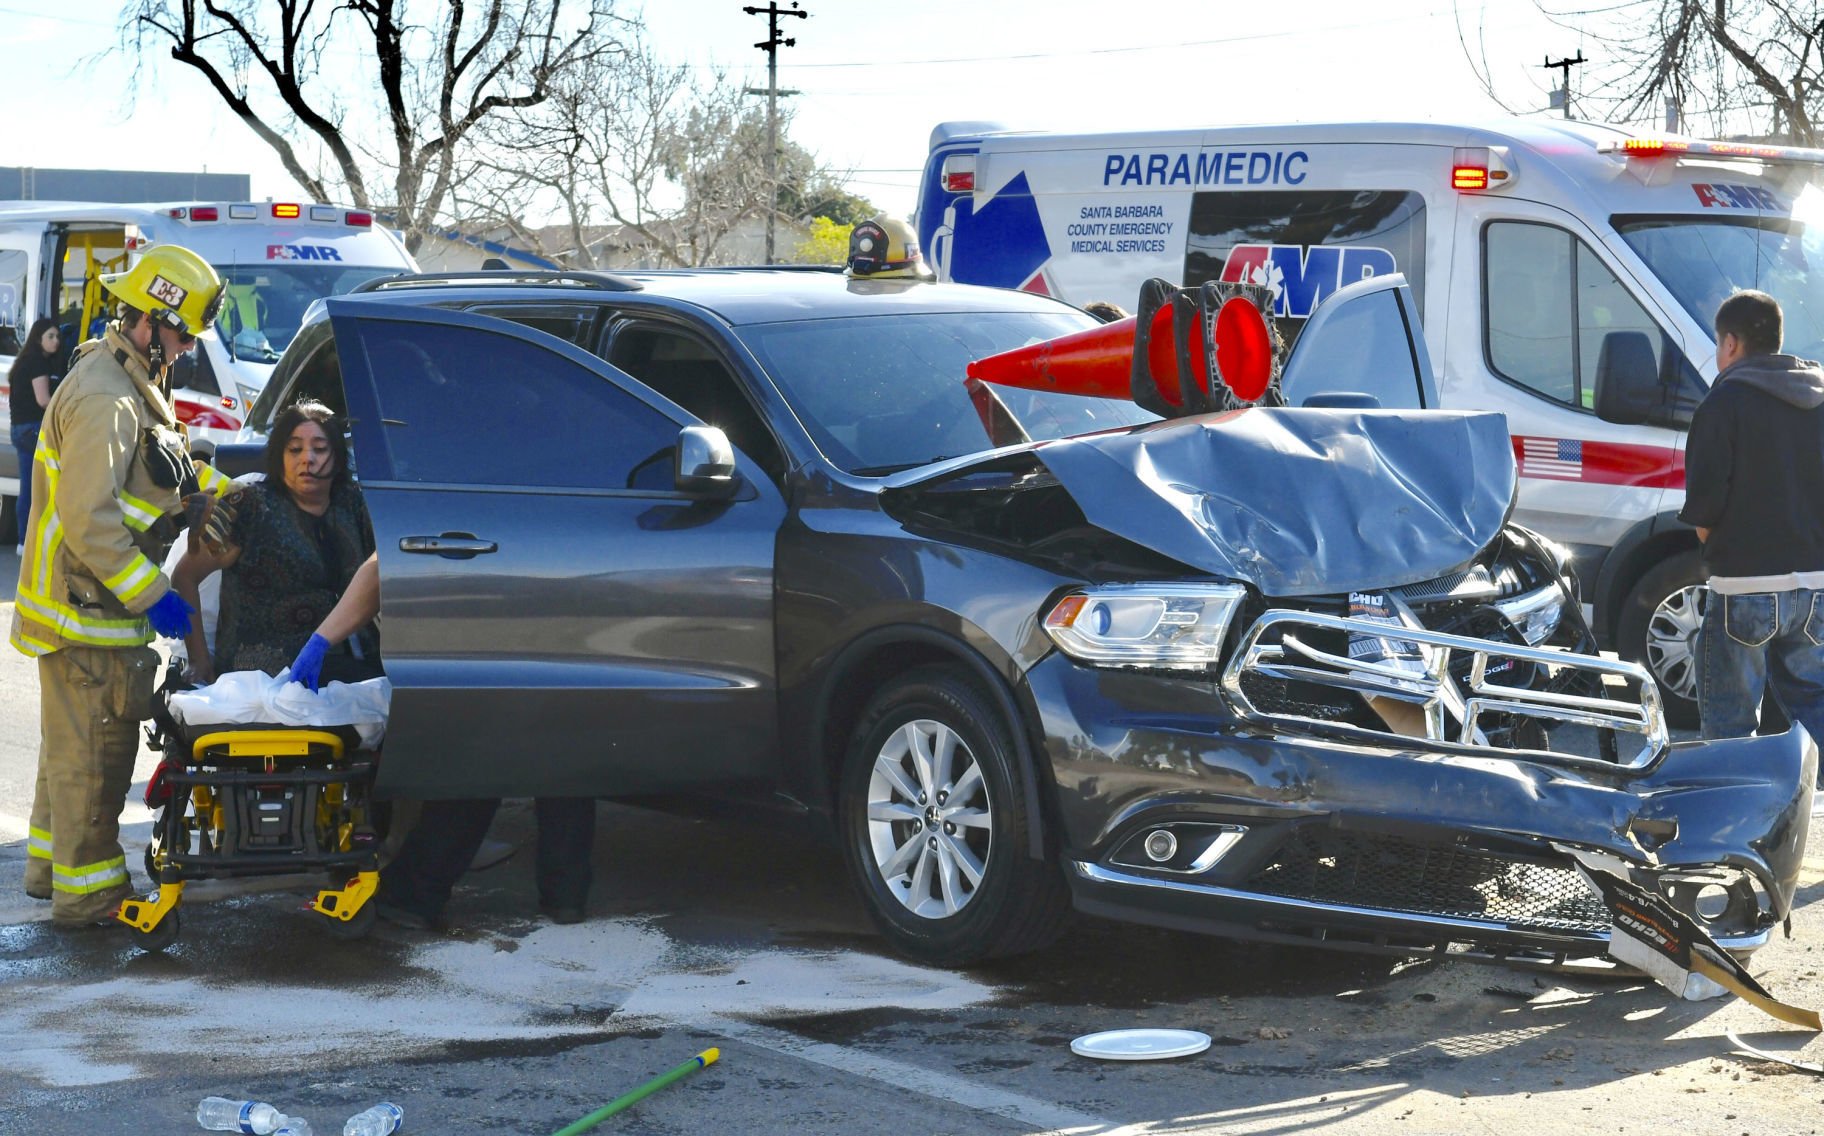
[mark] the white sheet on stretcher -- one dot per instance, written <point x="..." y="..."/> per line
<point x="244" y="697"/>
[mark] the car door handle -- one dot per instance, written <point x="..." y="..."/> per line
<point x="450" y="545"/>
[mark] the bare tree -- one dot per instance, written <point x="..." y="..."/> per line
<point x="664" y="164"/>
<point x="1729" y="66"/>
<point x="394" y="84"/>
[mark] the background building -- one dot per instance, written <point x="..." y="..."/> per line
<point x="30" y="183"/>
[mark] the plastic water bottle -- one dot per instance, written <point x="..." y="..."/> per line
<point x="293" y="1126"/>
<point x="219" y="1114"/>
<point x="381" y="1120"/>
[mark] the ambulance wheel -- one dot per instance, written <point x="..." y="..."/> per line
<point x="1658" y="628"/>
<point x="159" y="937"/>
<point x="356" y="928"/>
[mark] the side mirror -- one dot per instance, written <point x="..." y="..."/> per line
<point x="236" y="458"/>
<point x="1628" y="391"/>
<point x="705" y="463"/>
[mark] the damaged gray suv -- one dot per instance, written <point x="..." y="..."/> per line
<point x="1280" y="672"/>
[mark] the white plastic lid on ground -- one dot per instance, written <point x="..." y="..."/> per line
<point x="1140" y="1044"/>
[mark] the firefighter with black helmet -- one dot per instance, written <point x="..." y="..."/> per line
<point x="885" y="248"/>
<point x="108" y="483"/>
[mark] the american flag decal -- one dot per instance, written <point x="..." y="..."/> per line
<point x="1560" y="458"/>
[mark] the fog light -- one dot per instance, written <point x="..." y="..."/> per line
<point x="1711" y="902"/>
<point x="1161" y="845"/>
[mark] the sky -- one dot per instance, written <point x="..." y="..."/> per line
<point x="874" y="77"/>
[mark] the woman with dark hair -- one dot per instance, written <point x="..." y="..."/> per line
<point x="289" y="549"/>
<point x="34" y="376"/>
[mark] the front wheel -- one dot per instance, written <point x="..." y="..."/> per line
<point x="1659" y="626"/>
<point x="936" y="829"/>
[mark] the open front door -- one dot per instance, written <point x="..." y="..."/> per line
<point x="1364" y="339"/>
<point x="557" y="618"/>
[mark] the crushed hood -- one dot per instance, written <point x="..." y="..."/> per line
<point x="1293" y="501"/>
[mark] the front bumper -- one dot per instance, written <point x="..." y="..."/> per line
<point x="1285" y="835"/>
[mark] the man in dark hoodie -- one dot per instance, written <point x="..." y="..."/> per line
<point x="1754" y="476"/>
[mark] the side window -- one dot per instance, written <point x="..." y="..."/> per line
<point x="686" y="371"/>
<point x="1361" y="348"/>
<point x="193" y="371"/>
<point x="465" y="406"/>
<point x="1303" y="244"/>
<point x="14" y="265"/>
<point x="574" y="323"/>
<point x="1551" y="304"/>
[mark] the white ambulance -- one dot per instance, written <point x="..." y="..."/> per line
<point x="1566" y="273"/>
<point x="275" y="257"/>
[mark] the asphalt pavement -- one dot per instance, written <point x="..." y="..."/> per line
<point x="736" y="929"/>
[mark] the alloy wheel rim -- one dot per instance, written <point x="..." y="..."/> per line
<point x="930" y="820"/>
<point x="1672" y="640"/>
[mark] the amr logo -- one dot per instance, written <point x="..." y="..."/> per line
<point x="1300" y="276"/>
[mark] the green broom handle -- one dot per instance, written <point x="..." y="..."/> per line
<point x="707" y="1057"/>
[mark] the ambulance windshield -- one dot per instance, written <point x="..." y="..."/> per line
<point x="265" y="302"/>
<point x="1702" y="259"/>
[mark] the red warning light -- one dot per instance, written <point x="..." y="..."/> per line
<point x="1469" y="177"/>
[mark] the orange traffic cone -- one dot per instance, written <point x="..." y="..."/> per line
<point x="1146" y="364"/>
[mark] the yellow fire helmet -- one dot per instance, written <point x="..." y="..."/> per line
<point x="172" y="285"/>
<point x="885" y="247"/>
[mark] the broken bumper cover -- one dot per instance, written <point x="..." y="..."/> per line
<point x="1176" y="811"/>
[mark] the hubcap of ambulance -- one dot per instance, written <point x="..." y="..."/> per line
<point x="1672" y="640"/>
<point x="929" y="819"/>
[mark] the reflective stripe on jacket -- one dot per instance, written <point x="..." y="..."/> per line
<point x="101" y="522"/>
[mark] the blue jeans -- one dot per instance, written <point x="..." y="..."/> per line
<point x="25" y="442"/>
<point x="1754" y="641"/>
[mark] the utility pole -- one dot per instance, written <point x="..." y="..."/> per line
<point x="1562" y="96"/>
<point x="771" y="45"/>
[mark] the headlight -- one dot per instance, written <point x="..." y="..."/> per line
<point x="1536" y="614"/>
<point x="1177" y="626"/>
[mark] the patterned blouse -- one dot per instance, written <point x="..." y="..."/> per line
<point x="292" y="569"/>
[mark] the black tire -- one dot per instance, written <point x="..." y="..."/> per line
<point x="159" y="937"/>
<point x="1665" y="604"/>
<point x="356" y="928"/>
<point x="1018" y="904"/>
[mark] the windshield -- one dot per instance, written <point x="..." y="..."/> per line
<point x="1703" y="259"/>
<point x="265" y="302"/>
<point x="885" y="393"/>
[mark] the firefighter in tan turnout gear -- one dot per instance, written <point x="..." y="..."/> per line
<point x="108" y="485"/>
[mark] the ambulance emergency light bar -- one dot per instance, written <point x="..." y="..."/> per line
<point x="1698" y="148"/>
<point x="285" y="211"/>
<point x="1480" y="167"/>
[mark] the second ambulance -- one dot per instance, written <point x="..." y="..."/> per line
<point x="1567" y="276"/>
<point x="275" y="258"/>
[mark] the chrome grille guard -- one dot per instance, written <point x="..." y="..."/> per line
<point x="1438" y="694"/>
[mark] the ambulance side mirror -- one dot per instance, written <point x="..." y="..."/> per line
<point x="1628" y="390"/>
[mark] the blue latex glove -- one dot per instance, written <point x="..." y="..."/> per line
<point x="307" y="668"/>
<point x="170" y="616"/>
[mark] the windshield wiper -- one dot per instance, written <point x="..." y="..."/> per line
<point x="900" y="467"/>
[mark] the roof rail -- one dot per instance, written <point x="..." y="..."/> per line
<point x="697" y="270"/>
<point x="603" y="281"/>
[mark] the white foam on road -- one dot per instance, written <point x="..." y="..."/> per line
<point x="556" y="981"/>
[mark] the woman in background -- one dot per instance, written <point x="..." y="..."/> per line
<point x="36" y="370"/>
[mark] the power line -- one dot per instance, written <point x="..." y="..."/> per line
<point x="1174" y="46"/>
